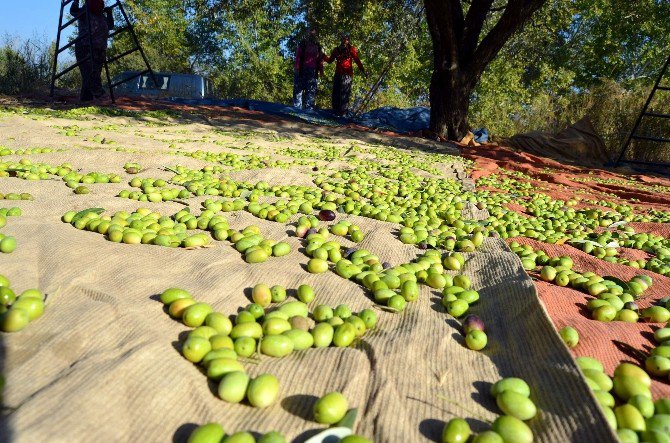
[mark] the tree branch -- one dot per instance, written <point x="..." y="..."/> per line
<point x="515" y="15"/>
<point x="474" y="23"/>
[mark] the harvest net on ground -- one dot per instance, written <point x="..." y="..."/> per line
<point x="105" y="360"/>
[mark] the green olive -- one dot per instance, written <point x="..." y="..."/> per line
<point x="654" y="314"/>
<point x="305" y="293"/>
<point x="195" y="315"/>
<point x="369" y="317"/>
<point x="317" y="266"/>
<point x="256" y="256"/>
<point x="631" y="370"/>
<point x="7" y="245"/>
<point x="330" y="408"/>
<point x="245" y="346"/>
<point x="659" y="423"/>
<point x="195" y="348"/>
<point x="605" y="313"/>
<point x="252" y="329"/>
<point x="219" y="367"/>
<point x="33" y="306"/>
<point x="488" y="437"/>
<point x="344" y="335"/>
<point x="643" y="404"/>
<point x="512" y="430"/>
<point x="208" y="433"/>
<point x="626" y="387"/>
<point x="512" y="384"/>
<point x="219" y="322"/>
<point x="627" y="436"/>
<point x="14" y="320"/>
<point x="301" y="339"/>
<point x="295" y="309"/>
<point x="272" y="437"/>
<point x="239" y="437"/>
<point x="218" y="353"/>
<point x="517" y="405"/>
<point x="276" y="345"/>
<point x="476" y="340"/>
<point x="457" y="308"/>
<point x="657" y="365"/>
<point x="322" y="313"/>
<point x="323" y="335"/>
<point x="600" y="378"/>
<point x="7" y="296"/>
<point x="409" y="290"/>
<point x="275" y="326"/>
<point x="28" y="293"/>
<point x="456" y="430"/>
<point x="589" y="363"/>
<point x="627" y="416"/>
<point x="604" y="398"/>
<point x="281" y="249"/>
<point x="662" y="406"/>
<point x="263" y="390"/>
<point x="277" y="294"/>
<point x="570" y="336"/>
<point x="203" y="331"/>
<point x="397" y="303"/>
<point x="358" y="323"/>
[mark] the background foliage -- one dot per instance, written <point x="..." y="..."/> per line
<point x="575" y="58"/>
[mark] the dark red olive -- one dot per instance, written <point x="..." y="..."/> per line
<point x="326" y="215"/>
<point x="386" y="265"/>
<point x="472" y="322"/>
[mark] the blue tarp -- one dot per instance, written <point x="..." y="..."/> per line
<point x="387" y="118"/>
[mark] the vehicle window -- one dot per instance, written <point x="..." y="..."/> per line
<point x="148" y="83"/>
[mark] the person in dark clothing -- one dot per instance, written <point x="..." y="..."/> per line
<point x="308" y="65"/>
<point x="344" y="56"/>
<point x="91" y="50"/>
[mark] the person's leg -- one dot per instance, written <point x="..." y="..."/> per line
<point x="82" y="55"/>
<point x="310" y="88"/>
<point x="345" y="93"/>
<point x="335" y="95"/>
<point x="297" y="90"/>
<point x="96" y="72"/>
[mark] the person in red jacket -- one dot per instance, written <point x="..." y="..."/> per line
<point x="345" y="56"/>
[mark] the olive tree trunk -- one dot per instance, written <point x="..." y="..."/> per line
<point x="461" y="53"/>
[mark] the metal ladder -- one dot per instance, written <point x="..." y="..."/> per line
<point x="55" y="75"/>
<point x="646" y="114"/>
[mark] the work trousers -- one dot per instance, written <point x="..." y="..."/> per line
<point x="304" y="88"/>
<point x="91" y="71"/>
<point x="341" y="93"/>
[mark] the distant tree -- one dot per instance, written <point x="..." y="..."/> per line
<point x="461" y="53"/>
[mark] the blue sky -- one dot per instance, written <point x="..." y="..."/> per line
<point x="29" y="18"/>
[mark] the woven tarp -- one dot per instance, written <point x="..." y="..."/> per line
<point x="103" y="363"/>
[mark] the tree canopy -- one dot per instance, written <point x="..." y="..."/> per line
<point x="539" y="80"/>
